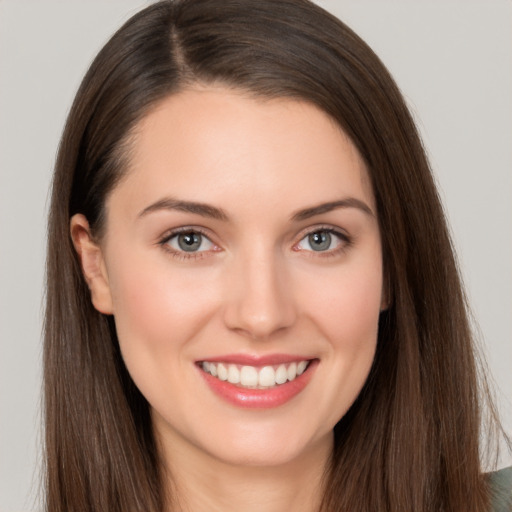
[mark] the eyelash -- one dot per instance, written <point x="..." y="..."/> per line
<point x="183" y="255"/>
<point x="345" y="243"/>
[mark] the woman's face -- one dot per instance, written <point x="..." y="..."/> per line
<point x="242" y="263"/>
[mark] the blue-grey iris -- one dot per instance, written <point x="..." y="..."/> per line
<point x="320" y="240"/>
<point x="190" y="242"/>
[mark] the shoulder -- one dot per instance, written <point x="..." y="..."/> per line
<point x="500" y="484"/>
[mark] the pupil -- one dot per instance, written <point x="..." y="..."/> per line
<point x="320" y="241"/>
<point x="189" y="241"/>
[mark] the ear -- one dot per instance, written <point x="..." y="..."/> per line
<point x="92" y="262"/>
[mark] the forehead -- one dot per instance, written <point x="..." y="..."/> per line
<point x="215" y="145"/>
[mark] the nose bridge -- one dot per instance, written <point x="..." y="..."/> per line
<point x="259" y="301"/>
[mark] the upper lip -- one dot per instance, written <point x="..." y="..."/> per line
<point x="257" y="360"/>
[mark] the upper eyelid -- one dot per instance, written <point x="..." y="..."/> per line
<point x="336" y="230"/>
<point x="163" y="243"/>
<point x="345" y="240"/>
<point x="184" y="229"/>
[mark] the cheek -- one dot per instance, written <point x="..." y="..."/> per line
<point x="148" y="297"/>
<point x="348" y="305"/>
<point x="157" y="313"/>
<point x="347" y="311"/>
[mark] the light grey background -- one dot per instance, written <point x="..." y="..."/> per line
<point x="453" y="61"/>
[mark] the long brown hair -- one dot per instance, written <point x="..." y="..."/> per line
<point x="411" y="439"/>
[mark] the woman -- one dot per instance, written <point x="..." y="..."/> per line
<point x="247" y="275"/>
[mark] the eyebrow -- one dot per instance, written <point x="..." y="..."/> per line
<point x="209" y="211"/>
<point x="169" y="203"/>
<point x="349" y="202"/>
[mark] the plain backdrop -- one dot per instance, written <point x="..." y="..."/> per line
<point x="452" y="60"/>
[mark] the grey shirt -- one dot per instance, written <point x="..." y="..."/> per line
<point x="501" y="489"/>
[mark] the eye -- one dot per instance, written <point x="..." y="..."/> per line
<point x="189" y="241"/>
<point x="322" y="240"/>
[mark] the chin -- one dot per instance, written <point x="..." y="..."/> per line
<point x="267" y="447"/>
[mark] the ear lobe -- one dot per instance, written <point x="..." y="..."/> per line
<point x="92" y="262"/>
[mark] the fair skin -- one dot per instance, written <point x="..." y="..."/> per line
<point x="259" y="277"/>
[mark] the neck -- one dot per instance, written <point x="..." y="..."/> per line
<point x="199" y="482"/>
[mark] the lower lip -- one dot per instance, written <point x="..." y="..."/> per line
<point x="260" y="398"/>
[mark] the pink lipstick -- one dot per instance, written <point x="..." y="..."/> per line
<point x="257" y="382"/>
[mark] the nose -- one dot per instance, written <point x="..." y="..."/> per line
<point x="259" y="296"/>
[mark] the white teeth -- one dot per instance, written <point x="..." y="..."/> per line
<point x="281" y="374"/>
<point x="222" y="372"/>
<point x="292" y="371"/>
<point x="267" y="377"/>
<point x="254" y="377"/>
<point x="248" y="376"/>
<point x="233" y="374"/>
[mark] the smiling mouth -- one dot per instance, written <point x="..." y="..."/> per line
<point x="255" y="377"/>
